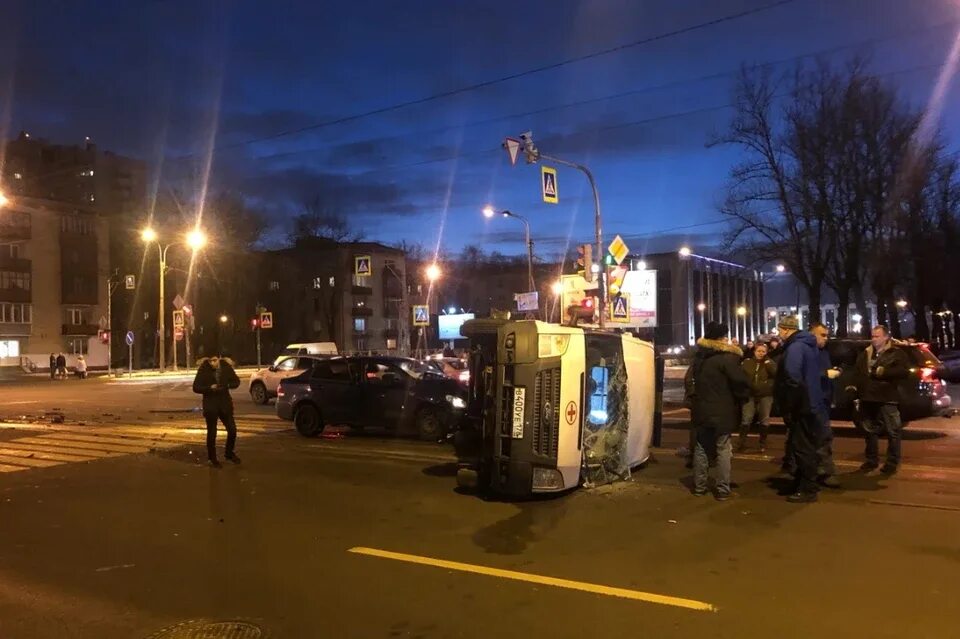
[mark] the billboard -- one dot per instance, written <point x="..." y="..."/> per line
<point x="449" y="325"/>
<point x="641" y="287"/>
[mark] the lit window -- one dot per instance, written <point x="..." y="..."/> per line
<point x="316" y="283"/>
<point x="9" y="348"/>
<point x="76" y="316"/>
<point x="333" y="282"/>
<point x="360" y="324"/>
<point x="274" y="285"/>
<point x="18" y="176"/>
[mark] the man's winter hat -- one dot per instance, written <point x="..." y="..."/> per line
<point x="790" y="322"/>
<point x="716" y="330"/>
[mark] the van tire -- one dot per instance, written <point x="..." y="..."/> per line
<point x="258" y="393"/>
<point x="308" y="421"/>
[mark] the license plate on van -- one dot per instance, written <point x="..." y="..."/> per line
<point x="518" y="409"/>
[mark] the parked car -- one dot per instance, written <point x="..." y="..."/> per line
<point x="951" y="366"/>
<point x="451" y="367"/>
<point x="922" y="394"/>
<point x="264" y="382"/>
<point x="397" y="393"/>
<point x="310" y="348"/>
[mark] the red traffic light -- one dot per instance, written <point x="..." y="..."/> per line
<point x="254" y="322"/>
<point x="187" y="309"/>
<point x="587" y="302"/>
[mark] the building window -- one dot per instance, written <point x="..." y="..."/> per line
<point x="391" y="323"/>
<point x="391" y="344"/>
<point x="317" y="326"/>
<point x="361" y="280"/>
<point x="361" y="344"/>
<point x="15" y="313"/>
<point x="274" y="285"/>
<point x="77" y="346"/>
<point x="17" y="176"/>
<point x="316" y="305"/>
<point x="75" y="315"/>
<point x="316" y="283"/>
<point x="10" y="250"/>
<point x="76" y="224"/>
<point x="333" y="282"/>
<point x="14" y="280"/>
<point x="9" y="348"/>
<point x="360" y="324"/>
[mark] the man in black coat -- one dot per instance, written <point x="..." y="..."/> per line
<point x="214" y="380"/>
<point x="880" y="369"/>
<point x="718" y="389"/>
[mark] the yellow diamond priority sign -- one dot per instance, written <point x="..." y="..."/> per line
<point x="618" y="249"/>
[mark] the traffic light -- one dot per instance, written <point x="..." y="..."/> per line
<point x="254" y="323"/>
<point x="585" y="310"/>
<point x="585" y="262"/>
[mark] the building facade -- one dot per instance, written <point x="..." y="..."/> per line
<point x="54" y="264"/>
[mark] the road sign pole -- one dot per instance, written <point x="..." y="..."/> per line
<point x="259" y="310"/>
<point x="175" y="349"/>
<point x="130" y="360"/>
<point x="109" y="323"/>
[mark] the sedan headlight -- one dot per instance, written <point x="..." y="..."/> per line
<point x="456" y="402"/>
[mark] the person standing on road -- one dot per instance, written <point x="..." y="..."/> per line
<point x="215" y="379"/>
<point x="761" y="371"/>
<point x="880" y="368"/>
<point x="53" y="366"/>
<point x="62" y="366"/>
<point x="799" y="395"/>
<point x="719" y="387"/>
<point x="81" y="367"/>
<point x="826" y="469"/>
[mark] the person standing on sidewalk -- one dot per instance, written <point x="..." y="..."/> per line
<point x="826" y="469"/>
<point x="719" y="387"/>
<point x="880" y="369"/>
<point x="761" y="371"/>
<point x="799" y="396"/>
<point x="215" y="379"/>
<point x="53" y="366"/>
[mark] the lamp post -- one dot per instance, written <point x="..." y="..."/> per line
<point x="195" y="239"/>
<point x="489" y="212"/>
<point x="742" y="313"/>
<point x="702" y="307"/>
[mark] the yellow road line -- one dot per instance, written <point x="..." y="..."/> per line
<point x="597" y="589"/>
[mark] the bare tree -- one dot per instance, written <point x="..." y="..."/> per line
<point x="319" y="219"/>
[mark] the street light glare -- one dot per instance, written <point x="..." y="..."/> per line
<point x="433" y="272"/>
<point x="902" y="303"/>
<point x="781" y="268"/>
<point x="3" y="199"/>
<point x="701" y="307"/>
<point x="224" y="319"/>
<point x="684" y="251"/>
<point x="741" y="311"/>
<point x="148" y="235"/>
<point x="557" y="288"/>
<point x="196" y="239"/>
<point x="641" y="265"/>
<point x="488" y="211"/>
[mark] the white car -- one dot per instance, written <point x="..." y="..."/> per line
<point x="264" y="382"/>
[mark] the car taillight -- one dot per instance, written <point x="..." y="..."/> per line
<point x="280" y="391"/>
<point x="464" y="376"/>
<point x="928" y="374"/>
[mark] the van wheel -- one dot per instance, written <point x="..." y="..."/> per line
<point x="308" y="421"/>
<point x="429" y="426"/>
<point x="258" y="393"/>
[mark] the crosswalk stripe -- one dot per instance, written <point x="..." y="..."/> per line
<point x="94" y="439"/>
<point x="54" y="440"/>
<point x="6" y="468"/>
<point x="20" y="452"/>
<point x="53" y="448"/>
<point x="24" y="461"/>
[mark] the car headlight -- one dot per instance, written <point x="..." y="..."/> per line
<point x="456" y="402"/>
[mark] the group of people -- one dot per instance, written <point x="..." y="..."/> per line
<point x="58" y="366"/>
<point x="725" y="389"/>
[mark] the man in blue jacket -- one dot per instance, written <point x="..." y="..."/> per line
<point x="800" y="396"/>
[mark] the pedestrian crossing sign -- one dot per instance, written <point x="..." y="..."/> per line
<point x="620" y="309"/>
<point x="421" y="315"/>
<point x="548" y="180"/>
<point x="362" y="265"/>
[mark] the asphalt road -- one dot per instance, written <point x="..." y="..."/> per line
<point x="112" y="529"/>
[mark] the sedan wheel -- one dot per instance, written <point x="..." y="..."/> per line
<point x="429" y="426"/>
<point x="308" y="421"/>
<point x="258" y="393"/>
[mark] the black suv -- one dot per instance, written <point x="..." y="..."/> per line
<point x="922" y="394"/>
<point x="396" y="393"/>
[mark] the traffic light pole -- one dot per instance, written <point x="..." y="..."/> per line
<point x="598" y="230"/>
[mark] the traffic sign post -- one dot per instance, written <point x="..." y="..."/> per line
<point x="548" y="185"/>
<point x="620" y="309"/>
<point x="513" y="149"/>
<point x="130" y="282"/>
<point x="362" y="265"/>
<point x="266" y="319"/>
<point x="129" y="340"/>
<point x="619" y="250"/>
<point x="178" y="320"/>
<point x="421" y="315"/>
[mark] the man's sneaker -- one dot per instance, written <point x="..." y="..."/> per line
<point x="232" y="457"/>
<point x="889" y="469"/>
<point x="829" y="481"/>
<point x="800" y="497"/>
<point x="866" y="467"/>
<point x="698" y="493"/>
<point x="724" y="496"/>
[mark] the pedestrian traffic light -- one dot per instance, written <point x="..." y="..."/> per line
<point x="585" y="310"/>
<point x="585" y="262"/>
<point x="254" y="323"/>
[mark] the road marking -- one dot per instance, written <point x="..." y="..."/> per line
<point x="119" y="441"/>
<point x="28" y="461"/>
<point x="53" y="448"/>
<point x="55" y="440"/>
<point x="19" y="452"/>
<point x="906" y="504"/>
<point x="542" y="580"/>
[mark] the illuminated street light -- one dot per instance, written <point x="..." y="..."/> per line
<point x="489" y="211"/>
<point x="641" y="265"/>
<point x="781" y="268"/>
<point x="148" y="235"/>
<point x="773" y="313"/>
<point x="557" y="288"/>
<point x="684" y="251"/>
<point x="224" y="319"/>
<point x="4" y="200"/>
<point x="741" y="311"/>
<point x="595" y="268"/>
<point x="902" y="303"/>
<point x="196" y="239"/>
<point x="433" y="272"/>
<point x="701" y="307"/>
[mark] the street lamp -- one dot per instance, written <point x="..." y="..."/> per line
<point x="195" y="239"/>
<point x="557" y="288"/>
<point x="4" y="200"/>
<point x="433" y="273"/>
<point x="781" y="268"/>
<point x="684" y="251"/>
<point x="641" y="265"/>
<point x="902" y="303"/>
<point x="742" y="313"/>
<point x="224" y="319"/>
<point x="489" y="212"/>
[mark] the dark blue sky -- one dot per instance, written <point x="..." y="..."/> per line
<point x="164" y="80"/>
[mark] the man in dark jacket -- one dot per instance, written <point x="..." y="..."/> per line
<point x="826" y="469"/>
<point x="214" y="380"/>
<point x="761" y="371"/>
<point x="799" y="395"/>
<point x="880" y="368"/>
<point x="53" y="366"/>
<point x="719" y="387"/>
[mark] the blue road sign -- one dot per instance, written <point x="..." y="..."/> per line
<point x="129" y="338"/>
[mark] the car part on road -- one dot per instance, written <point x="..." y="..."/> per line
<point x="308" y="421"/>
<point x="429" y="425"/>
<point x="258" y="393"/>
<point x="203" y="629"/>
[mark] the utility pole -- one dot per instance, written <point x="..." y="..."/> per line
<point x="259" y="314"/>
<point x="533" y="155"/>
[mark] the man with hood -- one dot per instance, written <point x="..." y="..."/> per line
<point x="800" y="395"/>
<point x="214" y="380"/>
<point x="717" y="389"/>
